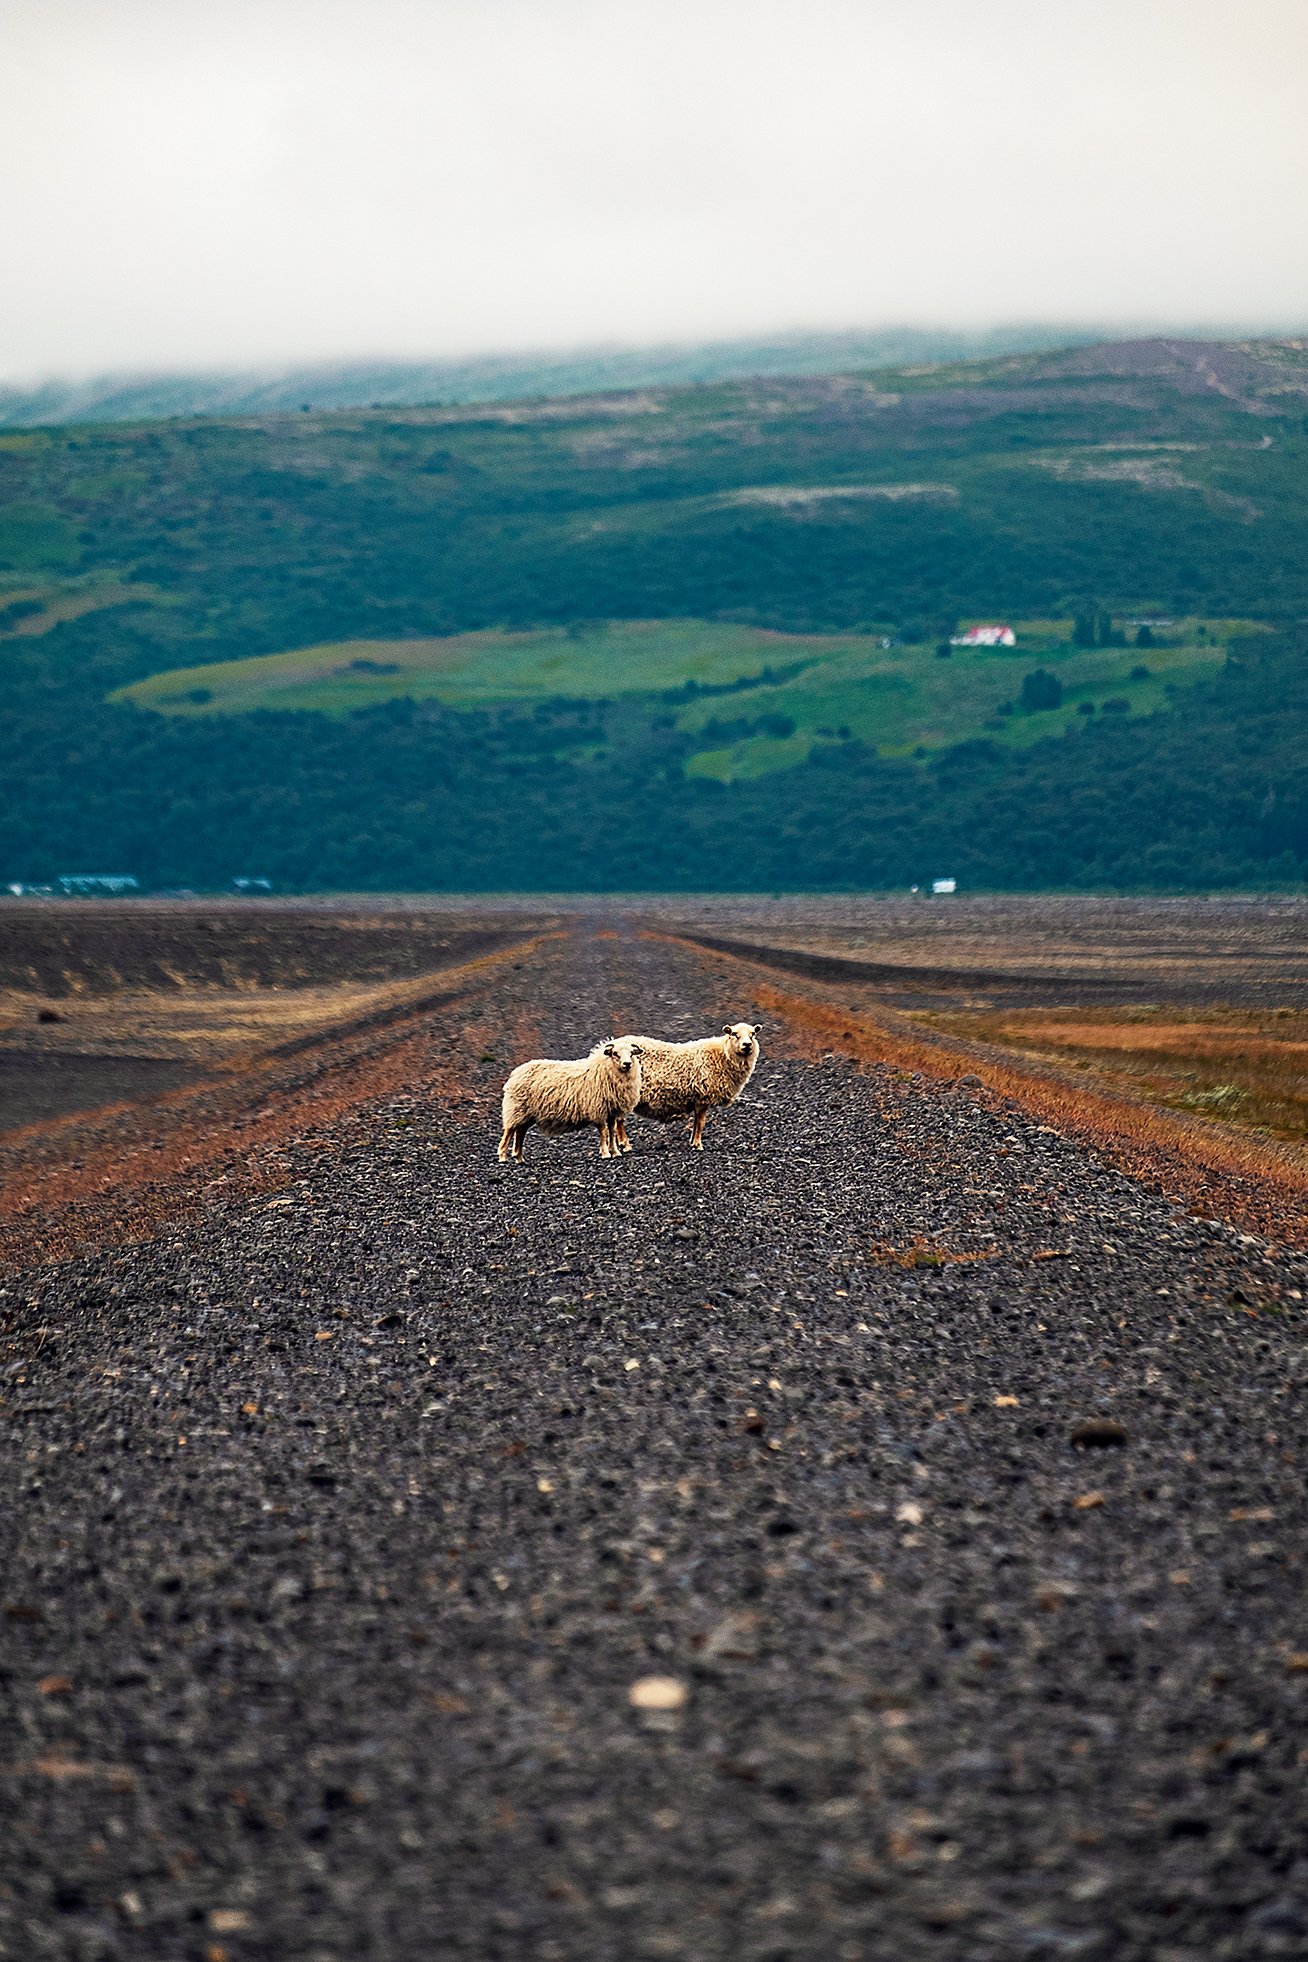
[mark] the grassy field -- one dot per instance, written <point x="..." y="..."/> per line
<point x="31" y="607"/>
<point x="106" y="1004"/>
<point x="1244" y="1066"/>
<point x="626" y="657"/>
<point x="801" y="688"/>
<point x="1197" y="1006"/>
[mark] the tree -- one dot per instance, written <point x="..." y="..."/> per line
<point x="1041" y="690"/>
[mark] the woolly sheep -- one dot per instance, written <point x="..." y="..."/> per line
<point x="686" y="1079"/>
<point x="563" y="1097"/>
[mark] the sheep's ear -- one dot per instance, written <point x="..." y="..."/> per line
<point x="610" y="1049"/>
<point x="728" y="1028"/>
<point x="636" y="1049"/>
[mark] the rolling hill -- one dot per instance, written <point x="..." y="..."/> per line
<point x="551" y="642"/>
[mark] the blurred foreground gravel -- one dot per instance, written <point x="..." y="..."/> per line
<point x="338" y="1531"/>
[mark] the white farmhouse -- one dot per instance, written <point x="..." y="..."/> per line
<point x="987" y="636"/>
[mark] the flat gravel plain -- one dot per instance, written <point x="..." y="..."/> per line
<point x="950" y="1484"/>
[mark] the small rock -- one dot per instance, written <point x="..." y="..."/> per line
<point x="944" y="1910"/>
<point x="1087" y="1501"/>
<point x="735" y="1637"/>
<point x="228" y="1921"/>
<point x="48" y="1015"/>
<point x="1100" y="1434"/>
<point x="657" y="1693"/>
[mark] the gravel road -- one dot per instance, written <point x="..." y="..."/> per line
<point x="950" y="1484"/>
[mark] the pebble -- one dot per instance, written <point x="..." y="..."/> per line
<point x="657" y="1693"/>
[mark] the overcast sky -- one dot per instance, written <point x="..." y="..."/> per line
<point x="221" y="182"/>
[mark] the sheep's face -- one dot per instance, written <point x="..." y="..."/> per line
<point x="624" y="1052"/>
<point x="744" y="1037"/>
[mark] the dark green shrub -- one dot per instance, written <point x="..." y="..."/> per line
<point x="1041" y="690"/>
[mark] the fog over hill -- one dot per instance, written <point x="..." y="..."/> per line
<point x="497" y="377"/>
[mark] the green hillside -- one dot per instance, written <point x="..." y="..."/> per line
<point x="538" y="641"/>
<point x="790" y="690"/>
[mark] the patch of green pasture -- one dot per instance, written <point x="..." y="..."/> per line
<point x="903" y="699"/>
<point x="615" y="658"/>
<point x="60" y="600"/>
<point x="900" y="700"/>
<point x="753" y="756"/>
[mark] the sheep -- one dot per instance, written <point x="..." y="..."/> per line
<point x="563" y="1097"/>
<point x="685" y="1079"/>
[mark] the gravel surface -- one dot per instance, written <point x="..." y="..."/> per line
<point x="877" y="1537"/>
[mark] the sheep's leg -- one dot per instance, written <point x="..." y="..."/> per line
<point x="520" y="1139"/>
<point x="697" y="1134"/>
<point x="620" y="1138"/>
<point x="606" y="1150"/>
<point x="507" y="1143"/>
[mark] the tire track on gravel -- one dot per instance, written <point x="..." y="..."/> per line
<point x="340" y="1526"/>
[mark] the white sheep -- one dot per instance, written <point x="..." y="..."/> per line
<point x="686" y="1079"/>
<point x="561" y="1097"/>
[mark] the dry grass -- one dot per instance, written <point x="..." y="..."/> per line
<point x="118" y="1174"/>
<point x="1246" y="1067"/>
<point x="205" y="1025"/>
<point x="921" y="1252"/>
<point x="1022" y="950"/>
<point x="1211" y="1168"/>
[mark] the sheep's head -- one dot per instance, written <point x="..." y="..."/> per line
<point x="744" y="1037"/>
<point x="624" y="1052"/>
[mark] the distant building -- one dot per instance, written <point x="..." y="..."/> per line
<point x="944" y="885"/>
<point x="992" y="636"/>
<point x="87" y="884"/>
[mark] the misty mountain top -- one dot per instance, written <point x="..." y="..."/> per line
<point x="505" y="377"/>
